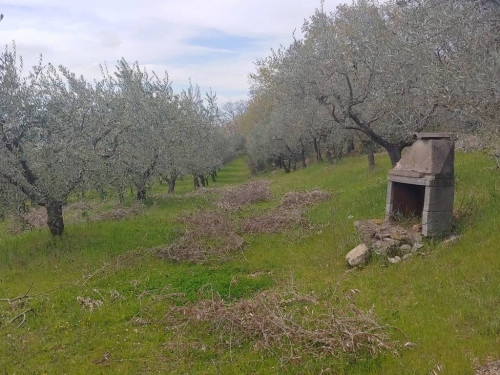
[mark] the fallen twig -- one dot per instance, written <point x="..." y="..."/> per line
<point x="23" y="314"/>
<point x="11" y="300"/>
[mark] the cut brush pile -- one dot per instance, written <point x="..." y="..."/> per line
<point x="209" y="235"/>
<point x="253" y="192"/>
<point x="289" y="213"/>
<point x="290" y="324"/>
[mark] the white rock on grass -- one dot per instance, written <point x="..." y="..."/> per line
<point x="357" y="256"/>
<point x="394" y="260"/>
<point x="417" y="246"/>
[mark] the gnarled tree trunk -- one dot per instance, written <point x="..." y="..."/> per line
<point x="317" y="150"/>
<point x="303" y="157"/>
<point x="369" y="147"/>
<point x="394" y="152"/>
<point x="141" y="193"/>
<point x="329" y="157"/>
<point x="350" y="146"/>
<point x="171" y="183"/>
<point x="203" y="180"/>
<point x="55" y="218"/>
<point x="287" y="167"/>
<point x="371" y="159"/>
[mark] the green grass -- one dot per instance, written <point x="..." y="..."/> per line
<point x="447" y="302"/>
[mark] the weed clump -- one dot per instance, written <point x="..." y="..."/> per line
<point x="89" y="303"/>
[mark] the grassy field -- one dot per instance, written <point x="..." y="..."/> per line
<point x="446" y="302"/>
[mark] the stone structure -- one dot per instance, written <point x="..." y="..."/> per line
<point x="422" y="183"/>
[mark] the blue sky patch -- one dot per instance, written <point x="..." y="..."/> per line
<point x="216" y="39"/>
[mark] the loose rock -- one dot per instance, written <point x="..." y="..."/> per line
<point x="394" y="260"/>
<point x="405" y="249"/>
<point x="452" y="238"/>
<point x="385" y="246"/>
<point x="417" y="246"/>
<point x="357" y="256"/>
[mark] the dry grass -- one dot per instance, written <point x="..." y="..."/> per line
<point x="36" y="218"/>
<point x="207" y="223"/>
<point x="288" y="214"/>
<point x="119" y="213"/>
<point x="290" y="324"/>
<point x="73" y="213"/>
<point x="210" y="235"/>
<point x="274" y="222"/>
<point x="490" y="368"/>
<point x="89" y="303"/>
<point x="202" y="191"/>
<point x="296" y="199"/>
<point x="253" y="192"/>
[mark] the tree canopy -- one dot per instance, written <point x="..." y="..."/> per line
<point x="384" y="71"/>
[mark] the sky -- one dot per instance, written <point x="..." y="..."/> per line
<point x="212" y="42"/>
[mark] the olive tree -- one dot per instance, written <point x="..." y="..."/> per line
<point x="146" y="111"/>
<point x="51" y="132"/>
<point x="390" y="70"/>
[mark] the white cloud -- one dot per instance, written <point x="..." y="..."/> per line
<point x="159" y="34"/>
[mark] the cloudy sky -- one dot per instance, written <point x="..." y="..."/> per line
<point x="213" y="42"/>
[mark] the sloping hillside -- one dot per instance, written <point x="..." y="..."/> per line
<point x="239" y="280"/>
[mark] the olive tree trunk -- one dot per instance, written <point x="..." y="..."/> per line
<point x="55" y="218"/>
<point x="171" y="183"/>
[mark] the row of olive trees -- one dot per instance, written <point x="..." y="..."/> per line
<point x="382" y="71"/>
<point x="60" y="133"/>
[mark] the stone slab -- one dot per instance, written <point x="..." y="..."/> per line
<point x="432" y="136"/>
<point x="389" y="211"/>
<point x="432" y="155"/>
<point x="426" y="180"/>
<point x="436" y="224"/>
<point x="439" y="198"/>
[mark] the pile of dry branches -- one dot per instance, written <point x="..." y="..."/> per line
<point x="18" y="305"/>
<point x="288" y="214"/>
<point x="119" y="213"/>
<point x="252" y="192"/>
<point x="274" y="222"/>
<point x="296" y="199"/>
<point x="289" y="324"/>
<point x="209" y="235"/>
